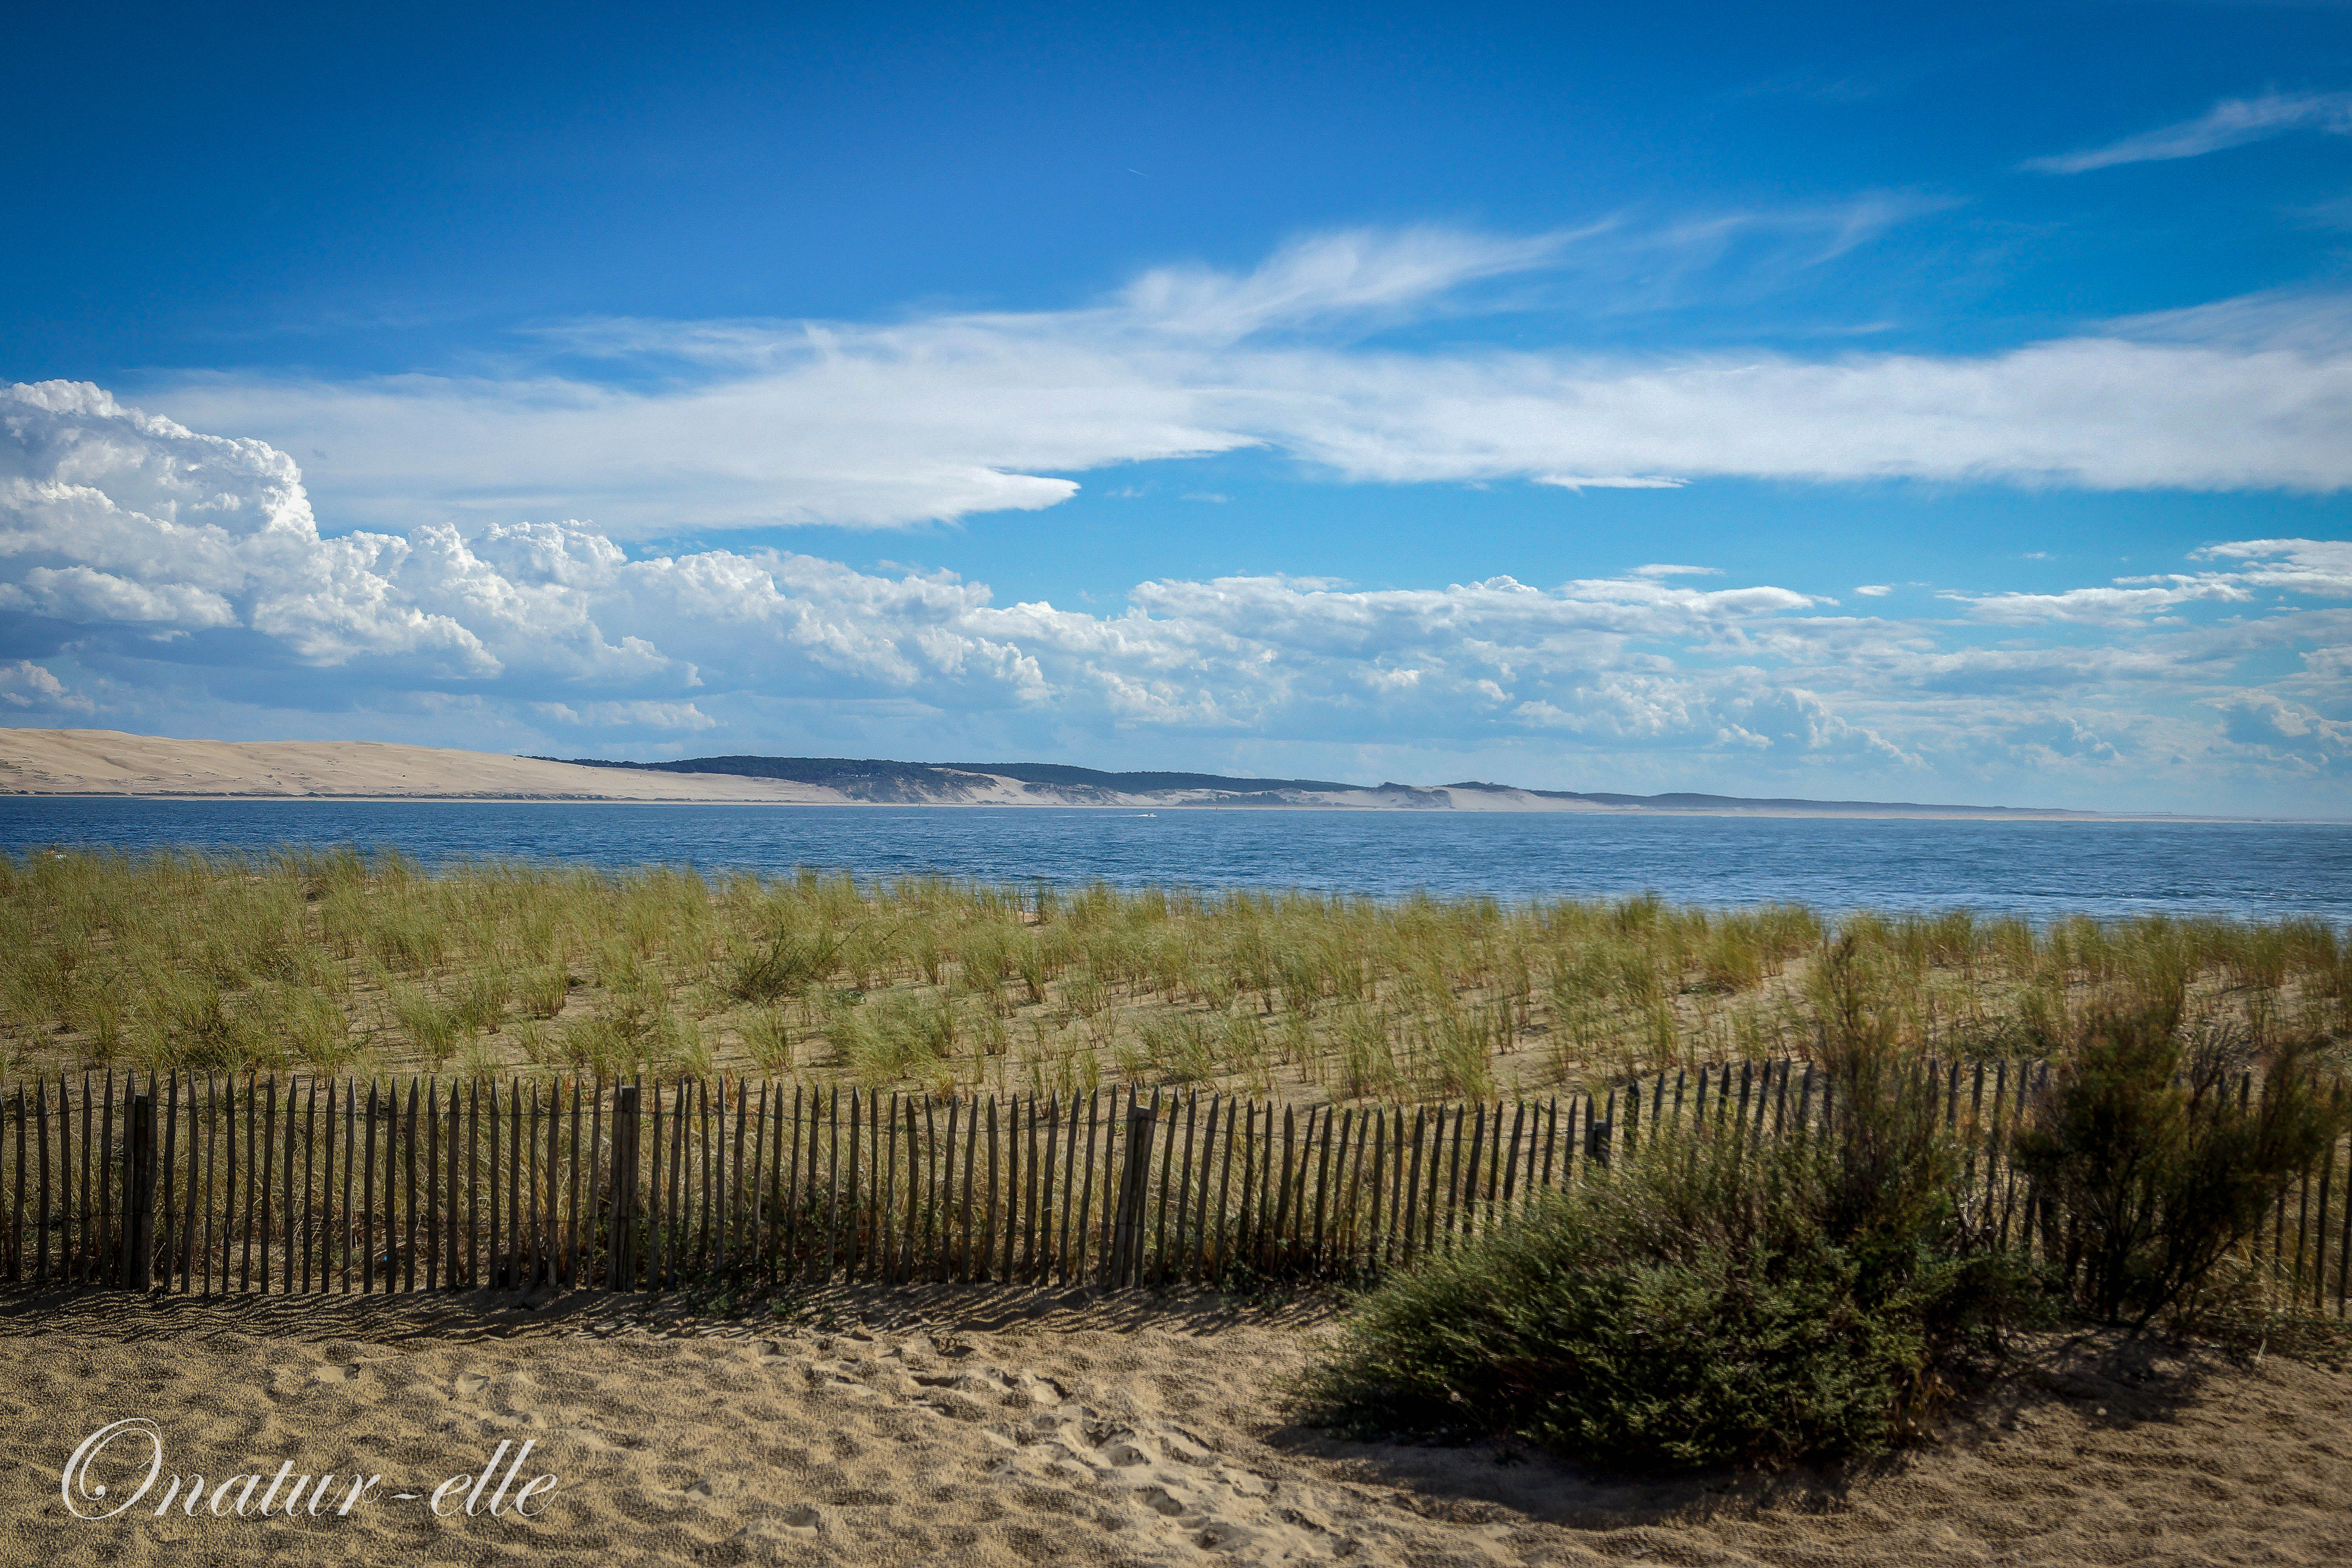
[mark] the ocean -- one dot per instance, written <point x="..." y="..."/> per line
<point x="2037" y="868"/>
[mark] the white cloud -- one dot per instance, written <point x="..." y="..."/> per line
<point x="1875" y="590"/>
<point x="1609" y="482"/>
<point x="24" y="685"/>
<point x="683" y="716"/>
<point x="146" y="558"/>
<point x="2321" y="566"/>
<point x="2231" y="122"/>
<point x="2100" y="607"/>
<point x="714" y="424"/>
<point x="2283" y="731"/>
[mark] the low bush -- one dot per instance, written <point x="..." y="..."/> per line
<point x="2153" y="1171"/>
<point x="1705" y="1303"/>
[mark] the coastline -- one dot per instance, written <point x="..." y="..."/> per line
<point x="1129" y="806"/>
<point x="101" y="764"/>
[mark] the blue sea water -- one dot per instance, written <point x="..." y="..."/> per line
<point x="2034" y="869"/>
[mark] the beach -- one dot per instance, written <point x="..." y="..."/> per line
<point x="1009" y="1427"/>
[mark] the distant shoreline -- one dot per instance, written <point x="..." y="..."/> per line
<point x="1130" y="808"/>
<point x="105" y="764"/>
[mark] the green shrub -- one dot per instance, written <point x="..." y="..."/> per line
<point x="2154" y="1173"/>
<point x="1706" y="1302"/>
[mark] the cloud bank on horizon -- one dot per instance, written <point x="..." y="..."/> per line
<point x="165" y="579"/>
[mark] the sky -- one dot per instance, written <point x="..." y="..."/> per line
<point x="1840" y="401"/>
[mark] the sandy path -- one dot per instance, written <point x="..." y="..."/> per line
<point x="968" y="1430"/>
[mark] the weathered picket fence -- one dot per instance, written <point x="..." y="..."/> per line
<point x="209" y="1184"/>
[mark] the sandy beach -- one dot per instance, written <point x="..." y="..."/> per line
<point x="984" y="1429"/>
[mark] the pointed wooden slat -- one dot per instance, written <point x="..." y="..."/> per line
<point x="2343" y="1248"/>
<point x="990" y="1200"/>
<point x="918" y="1177"/>
<point x="2326" y="1180"/>
<point x="1280" y="1181"/>
<point x="889" y="1253"/>
<point x="1070" y="1172"/>
<point x="367" y="1190"/>
<point x="212" y="1120"/>
<point x="286" y="1223"/>
<point x="101" y="1253"/>
<point x="832" y="1186"/>
<point x="1408" y="1160"/>
<point x="408" y="1170"/>
<point x="653" y="1156"/>
<point x="173" y="1250"/>
<point x="1322" y="1190"/>
<point x="472" y="1273"/>
<point x="41" y="1218"/>
<point x="1454" y="1172"/>
<point x="499" y="1273"/>
<point x="681" y="1183"/>
<point x="759" y="1243"/>
<point x="953" y="1214"/>
<point x="432" y="1149"/>
<point x="967" y="1217"/>
<point x="792" y="1201"/>
<point x="1021" y="1190"/>
<point x="531" y="1216"/>
<point x="575" y="1175"/>
<point x="16" y="1195"/>
<point x="1222" y="1222"/>
<point x="1171" y="1258"/>
<point x="1081" y="1175"/>
<point x="930" y="1258"/>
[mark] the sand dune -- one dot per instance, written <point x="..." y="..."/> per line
<point x="973" y="1429"/>
<point x="108" y="762"/>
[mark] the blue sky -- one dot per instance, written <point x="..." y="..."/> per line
<point x="1836" y="400"/>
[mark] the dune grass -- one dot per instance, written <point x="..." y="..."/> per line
<point x="342" y="960"/>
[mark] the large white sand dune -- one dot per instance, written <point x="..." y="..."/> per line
<point x="108" y="762"/>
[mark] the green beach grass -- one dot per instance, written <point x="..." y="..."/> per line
<point x="336" y="961"/>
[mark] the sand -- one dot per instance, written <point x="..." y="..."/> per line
<point x="967" y="1428"/>
<point x="108" y="762"/>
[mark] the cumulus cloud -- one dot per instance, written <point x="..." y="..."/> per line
<point x="26" y="685"/>
<point x="2231" y="122"/>
<point x="2283" y="731"/>
<point x="713" y="425"/>
<point x="2321" y="566"/>
<point x="141" y="554"/>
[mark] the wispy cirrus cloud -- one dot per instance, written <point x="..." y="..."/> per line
<point x="655" y="428"/>
<point x="2231" y="122"/>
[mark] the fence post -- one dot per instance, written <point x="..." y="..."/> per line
<point x="1126" y="1228"/>
<point x="621" y="1244"/>
<point x="138" y="1271"/>
<point x="1597" y="1131"/>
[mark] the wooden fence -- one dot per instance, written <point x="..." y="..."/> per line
<point x="209" y="1184"/>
